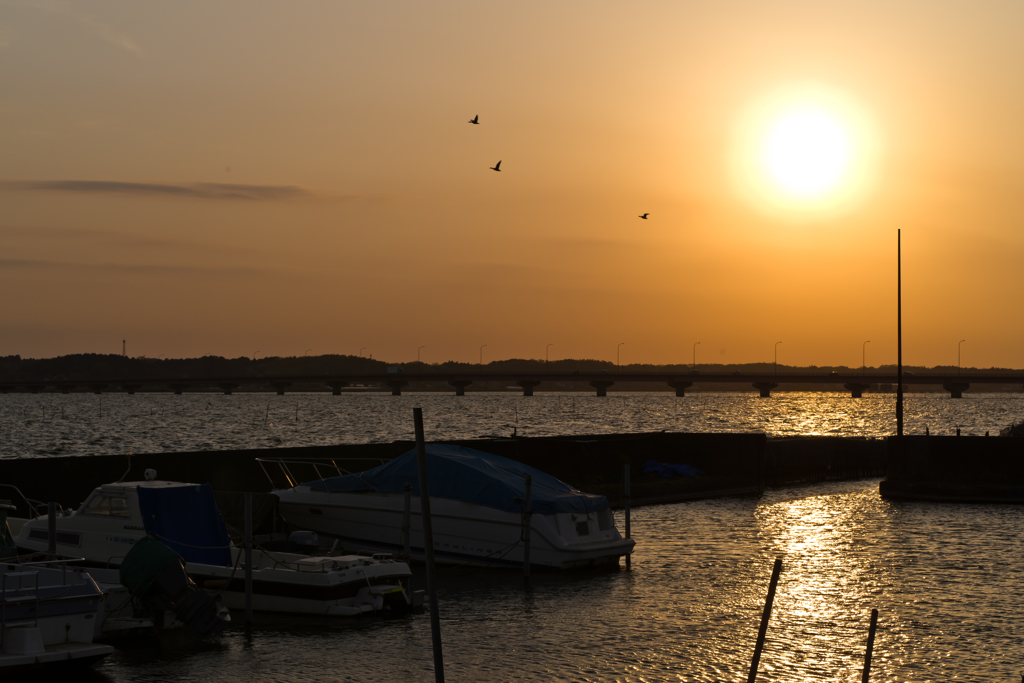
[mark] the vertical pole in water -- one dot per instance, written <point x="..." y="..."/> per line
<point x="428" y="545"/>
<point x="527" y="514"/>
<point x="407" y="522"/>
<point x="51" y="520"/>
<point x="248" y="558"/>
<point x="871" y="645"/>
<point x="765" y="616"/>
<point x="899" y="338"/>
<point x="628" y="555"/>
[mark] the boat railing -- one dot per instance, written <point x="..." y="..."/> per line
<point x="19" y="590"/>
<point x="32" y="506"/>
<point x="284" y="466"/>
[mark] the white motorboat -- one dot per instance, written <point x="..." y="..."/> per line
<point x="477" y="505"/>
<point x="48" y="618"/>
<point x="185" y="518"/>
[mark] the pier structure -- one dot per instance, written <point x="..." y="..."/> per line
<point x="856" y="384"/>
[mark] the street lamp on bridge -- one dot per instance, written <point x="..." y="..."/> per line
<point x="958" y="357"/>
<point x="482" y="353"/>
<point x="863" y="356"/>
<point x="546" y="351"/>
<point x="418" y="352"/>
<point x="361" y="351"/>
<point x="617" y="350"/>
<point x="777" y="357"/>
<point x="695" y="355"/>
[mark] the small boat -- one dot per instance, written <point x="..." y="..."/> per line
<point x="184" y="517"/>
<point x="477" y="505"/>
<point x="48" y="617"/>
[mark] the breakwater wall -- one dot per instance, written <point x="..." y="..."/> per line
<point x="955" y="469"/>
<point x="732" y="463"/>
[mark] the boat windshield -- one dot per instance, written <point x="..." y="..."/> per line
<point x="110" y="506"/>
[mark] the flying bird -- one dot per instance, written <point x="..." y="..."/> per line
<point x="497" y="166"/>
<point x="645" y="216"/>
<point x="475" y="119"/>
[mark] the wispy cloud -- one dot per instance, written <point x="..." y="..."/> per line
<point x="105" y="31"/>
<point x="111" y="239"/>
<point x="120" y="268"/>
<point x="223" y="191"/>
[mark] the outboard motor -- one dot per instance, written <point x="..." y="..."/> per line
<point x="155" y="574"/>
<point x="305" y="542"/>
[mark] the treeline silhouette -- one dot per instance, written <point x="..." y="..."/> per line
<point x="87" y="366"/>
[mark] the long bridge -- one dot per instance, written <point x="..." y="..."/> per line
<point x="855" y="383"/>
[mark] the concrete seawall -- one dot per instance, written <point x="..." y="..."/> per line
<point x="734" y="464"/>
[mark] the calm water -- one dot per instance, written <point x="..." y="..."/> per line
<point x="86" y="424"/>
<point x="947" y="581"/>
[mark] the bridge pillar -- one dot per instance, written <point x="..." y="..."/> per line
<point x="336" y="387"/>
<point x="856" y="389"/>
<point x="66" y="388"/>
<point x="178" y="388"/>
<point x="765" y="388"/>
<point x="602" y="386"/>
<point x="4" y="388"/>
<point x="281" y="386"/>
<point x="460" y="386"/>
<point x="396" y="386"/>
<point x="131" y="388"/>
<point x="680" y="387"/>
<point x="96" y="388"/>
<point x="34" y="389"/>
<point x="956" y="389"/>
<point x="228" y="387"/>
<point x="527" y="385"/>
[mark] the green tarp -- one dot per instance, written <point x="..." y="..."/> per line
<point x="147" y="558"/>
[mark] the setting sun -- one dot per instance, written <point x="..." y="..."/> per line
<point x="805" y="150"/>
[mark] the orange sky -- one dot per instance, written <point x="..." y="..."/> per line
<point x="359" y="210"/>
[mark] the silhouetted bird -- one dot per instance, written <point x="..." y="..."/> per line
<point x="645" y="216"/>
<point x="497" y="166"/>
<point x="475" y="119"/>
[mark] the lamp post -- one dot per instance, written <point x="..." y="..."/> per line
<point x="863" y="356"/>
<point x="695" y="355"/>
<point x="617" y="350"/>
<point x="546" y="351"/>
<point x="482" y="353"/>
<point x="777" y="357"/>
<point x="361" y="351"/>
<point x="958" y="356"/>
<point x="307" y="351"/>
<point x="418" y="352"/>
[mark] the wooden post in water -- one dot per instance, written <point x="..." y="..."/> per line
<point x="527" y="514"/>
<point x="871" y="645"/>
<point x="248" y="558"/>
<point x="407" y="522"/>
<point x="765" y="616"/>
<point x="428" y="545"/>
<point x="626" y="498"/>
<point x="51" y="525"/>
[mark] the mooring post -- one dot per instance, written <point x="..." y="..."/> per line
<point x="871" y="645"/>
<point x="527" y="514"/>
<point x="51" y="523"/>
<point x="765" y="616"/>
<point x="248" y="558"/>
<point x="428" y="545"/>
<point x="626" y="497"/>
<point x="407" y="521"/>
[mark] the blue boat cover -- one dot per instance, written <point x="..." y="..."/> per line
<point x="471" y="476"/>
<point x="186" y="519"/>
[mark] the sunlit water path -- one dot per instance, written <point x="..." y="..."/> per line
<point x="86" y="424"/>
<point x="946" y="580"/>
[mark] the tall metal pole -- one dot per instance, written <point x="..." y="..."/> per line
<point x="407" y="523"/>
<point x="248" y="558"/>
<point x="899" y="337"/>
<point x="958" y="356"/>
<point x="51" y="526"/>
<point x="546" y="351"/>
<point x="617" y="350"/>
<point x="626" y="501"/>
<point x="527" y="523"/>
<point x="418" y="353"/>
<point x="360" y="353"/>
<point x="765" y="617"/>
<point x="695" y="355"/>
<point x="777" y="357"/>
<point x="482" y="353"/>
<point x="863" y="357"/>
<point x="428" y="545"/>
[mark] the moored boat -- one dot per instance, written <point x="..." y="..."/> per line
<point x="477" y="508"/>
